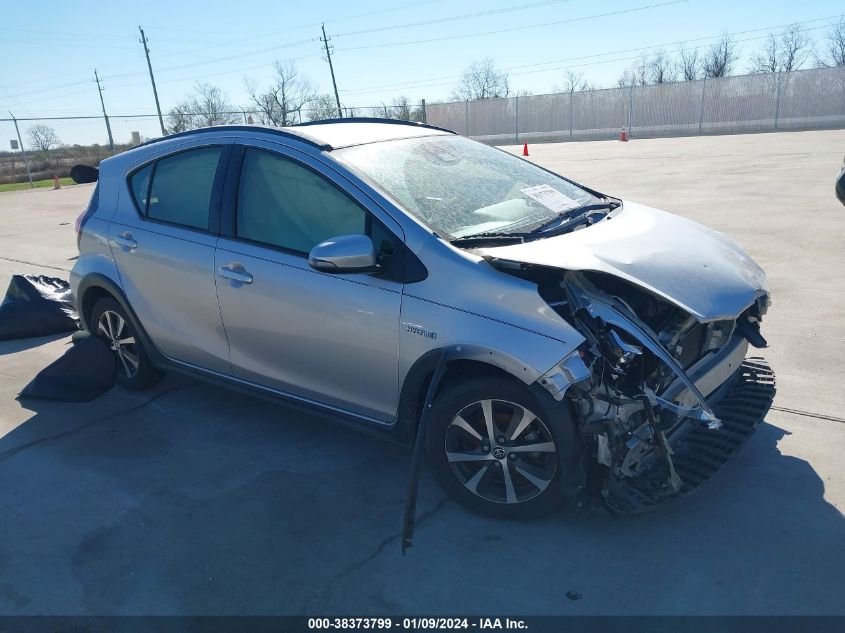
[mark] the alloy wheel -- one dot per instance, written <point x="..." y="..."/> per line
<point x="501" y="451"/>
<point x="113" y="328"/>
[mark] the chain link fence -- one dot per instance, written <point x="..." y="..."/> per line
<point x="799" y="100"/>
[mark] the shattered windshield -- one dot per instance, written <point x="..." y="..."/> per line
<point x="462" y="188"/>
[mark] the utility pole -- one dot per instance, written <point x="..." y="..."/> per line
<point x="144" y="41"/>
<point x="105" y="116"/>
<point x="23" y="151"/>
<point x="325" y="41"/>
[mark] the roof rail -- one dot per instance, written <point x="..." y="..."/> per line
<point x="374" y="119"/>
<point x="241" y="128"/>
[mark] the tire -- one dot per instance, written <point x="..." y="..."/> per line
<point x="133" y="369"/>
<point x="474" y="471"/>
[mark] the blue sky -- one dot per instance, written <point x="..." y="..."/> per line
<point x="49" y="55"/>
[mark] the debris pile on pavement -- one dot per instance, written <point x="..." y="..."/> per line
<point x="37" y="305"/>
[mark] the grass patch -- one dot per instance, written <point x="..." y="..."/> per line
<point x="14" y="186"/>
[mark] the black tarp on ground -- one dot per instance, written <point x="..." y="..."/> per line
<point x="81" y="374"/>
<point x="37" y="305"/>
<point x="84" y="173"/>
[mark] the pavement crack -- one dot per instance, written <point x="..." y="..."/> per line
<point x="41" y="440"/>
<point x="353" y="567"/>
<point x="36" y="264"/>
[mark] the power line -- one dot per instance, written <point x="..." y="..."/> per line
<point x="221" y="59"/>
<point x="515" y="28"/>
<point x="423" y="83"/>
<point x="454" y="18"/>
<point x="276" y="33"/>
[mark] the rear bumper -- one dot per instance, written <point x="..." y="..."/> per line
<point x="740" y="403"/>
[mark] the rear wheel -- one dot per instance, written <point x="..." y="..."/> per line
<point x="495" y="446"/>
<point x="133" y="369"/>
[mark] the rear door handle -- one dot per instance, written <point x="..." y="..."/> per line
<point x="228" y="272"/>
<point x="125" y="240"/>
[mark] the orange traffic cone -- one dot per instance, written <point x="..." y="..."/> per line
<point x="56" y="183"/>
<point x="525" y="149"/>
<point x="623" y="135"/>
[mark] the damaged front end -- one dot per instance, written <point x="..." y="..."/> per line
<point x="662" y="398"/>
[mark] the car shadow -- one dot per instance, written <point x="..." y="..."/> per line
<point x="193" y="499"/>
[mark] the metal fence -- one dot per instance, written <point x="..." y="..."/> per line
<point x="804" y="99"/>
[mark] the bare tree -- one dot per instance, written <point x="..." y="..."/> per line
<point x="43" y="138"/>
<point x="834" y="46"/>
<point x="637" y="74"/>
<point x="662" y="69"/>
<point x="572" y="82"/>
<point x="207" y="106"/>
<point x="720" y="59"/>
<point x="321" y="107"/>
<point x="284" y="101"/>
<point x="783" y="53"/>
<point x="690" y="64"/>
<point x="179" y="118"/>
<point x="482" y="80"/>
<point x="402" y="109"/>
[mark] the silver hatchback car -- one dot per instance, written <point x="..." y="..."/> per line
<point x="586" y="347"/>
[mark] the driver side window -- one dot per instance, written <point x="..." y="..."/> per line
<point x="284" y="204"/>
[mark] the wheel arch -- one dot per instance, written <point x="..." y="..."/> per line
<point x="96" y="286"/>
<point x="463" y="362"/>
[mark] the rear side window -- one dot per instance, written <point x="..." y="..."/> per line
<point x="284" y="204"/>
<point x="141" y="187"/>
<point x="181" y="187"/>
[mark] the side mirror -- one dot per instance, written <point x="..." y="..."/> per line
<point x="344" y="254"/>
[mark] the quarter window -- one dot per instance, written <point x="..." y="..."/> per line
<point x="181" y="188"/>
<point x="284" y="204"/>
<point x="141" y="187"/>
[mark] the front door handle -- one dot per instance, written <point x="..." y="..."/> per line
<point x="125" y="240"/>
<point x="230" y="272"/>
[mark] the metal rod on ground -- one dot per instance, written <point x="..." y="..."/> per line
<point x="325" y="41"/>
<point x="105" y="116"/>
<point x="144" y="41"/>
<point x="23" y="151"/>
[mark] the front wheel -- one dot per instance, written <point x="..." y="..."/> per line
<point x="495" y="447"/>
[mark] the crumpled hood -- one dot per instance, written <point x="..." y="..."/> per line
<point x="696" y="268"/>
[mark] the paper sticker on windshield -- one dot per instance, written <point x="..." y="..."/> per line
<point x="550" y="198"/>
